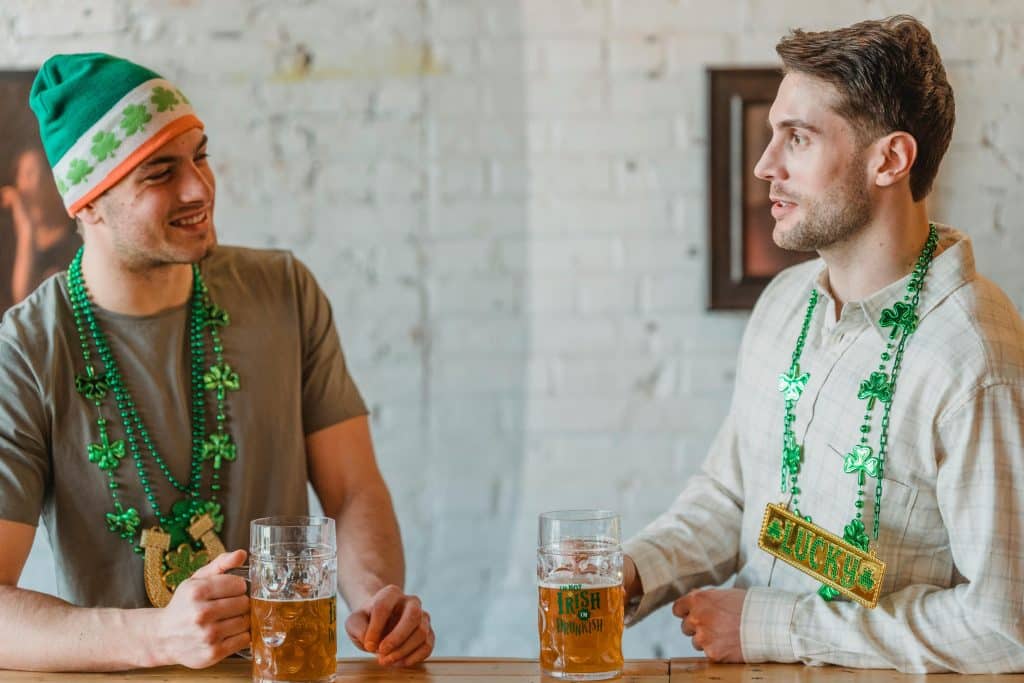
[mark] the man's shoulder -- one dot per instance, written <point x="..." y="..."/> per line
<point x="250" y="258"/>
<point x="788" y="290"/>
<point x="30" y="328"/>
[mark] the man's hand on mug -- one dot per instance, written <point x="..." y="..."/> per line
<point x="208" y="617"/>
<point x="394" y="626"/>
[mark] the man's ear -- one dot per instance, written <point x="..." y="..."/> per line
<point x="894" y="156"/>
<point x="88" y="215"/>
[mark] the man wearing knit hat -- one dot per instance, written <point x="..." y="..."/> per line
<point x="164" y="392"/>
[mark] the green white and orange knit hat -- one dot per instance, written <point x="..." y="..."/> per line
<point x="99" y="117"/>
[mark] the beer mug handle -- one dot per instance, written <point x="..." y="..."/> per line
<point x="243" y="571"/>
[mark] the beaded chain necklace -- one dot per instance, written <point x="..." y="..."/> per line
<point x="192" y="519"/>
<point x="879" y="387"/>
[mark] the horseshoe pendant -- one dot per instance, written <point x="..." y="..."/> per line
<point x="164" y="570"/>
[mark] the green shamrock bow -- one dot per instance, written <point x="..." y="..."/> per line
<point x="219" y="447"/>
<point x="123" y="522"/>
<point x="221" y="377"/>
<point x="94" y="387"/>
<point x="105" y="454"/>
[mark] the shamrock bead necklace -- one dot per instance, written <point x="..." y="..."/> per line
<point x="216" y="447"/>
<point x="880" y="386"/>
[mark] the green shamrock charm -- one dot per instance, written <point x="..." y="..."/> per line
<point x="103" y="145"/>
<point x="855" y="535"/>
<point x="208" y="507"/>
<point x="183" y="563"/>
<point x="221" y="377"/>
<point x="828" y="593"/>
<point x="218" y="448"/>
<point x="792" y="454"/>
<point x="792" y="383"/>
<point x="62" y="187"/>
<point x="216" y="316"/>
<point x="123" y="522"/>
<point x="875" y="387"/>
<point x="134" y="118"/>
<point x="105" y="454"/>
<point x="94" y="387"/>
<point x="78" y="171"/>
<point x="164" y="99"/>
<point x="901" y="316"/>
<point x="861" y="459"/>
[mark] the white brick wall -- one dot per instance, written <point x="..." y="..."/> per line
<point x="505" y="202"/>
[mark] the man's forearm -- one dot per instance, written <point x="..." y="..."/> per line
<point x="39" y="632"/>
<point x="370" y="546"/>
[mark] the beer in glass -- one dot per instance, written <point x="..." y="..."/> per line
<point x="580" y="595"/>
<point x="293" y="569"/>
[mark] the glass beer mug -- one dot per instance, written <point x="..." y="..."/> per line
<point x="580" y="602"/>
<point x="293" y="571"/>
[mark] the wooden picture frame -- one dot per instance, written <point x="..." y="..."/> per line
<point x="743" y="258"/>
<point x="41" y="239"/>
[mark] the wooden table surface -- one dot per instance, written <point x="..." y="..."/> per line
<point x="462" y="670"/>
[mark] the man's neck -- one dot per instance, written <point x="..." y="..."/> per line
<point x="882" y="253"/>
<point x="143" y="291"/>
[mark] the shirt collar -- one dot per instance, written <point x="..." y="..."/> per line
<point x="951" y="269"/>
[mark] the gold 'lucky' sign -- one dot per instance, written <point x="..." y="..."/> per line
<point x="822" y="555"/>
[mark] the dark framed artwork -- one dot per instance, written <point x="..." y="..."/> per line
<point x="743" y="256"/>
<point x="37" y="238"/>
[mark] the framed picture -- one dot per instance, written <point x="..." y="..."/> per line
<point x="37" y="238"/>
<point x="744" y="258"/>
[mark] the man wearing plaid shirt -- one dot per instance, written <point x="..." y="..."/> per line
<point x="859" y="126"/>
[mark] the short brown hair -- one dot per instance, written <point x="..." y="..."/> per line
<point x="890" y="77"/>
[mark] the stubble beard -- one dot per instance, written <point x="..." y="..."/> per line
<point x="834" y="218"/>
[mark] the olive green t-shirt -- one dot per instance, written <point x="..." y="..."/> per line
<point x="282" y="343"/>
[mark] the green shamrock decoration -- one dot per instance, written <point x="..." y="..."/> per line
<point x="104" y="144"/>
<point x="221" y="377"/>
<point x="875" y="387"/>
<point x="62" y="187"/>
<point x="854" y="534"/>
<point x="861" y="459"/>
<point x="828" y="593"/>
<point x="208" y="507"/>
<point x="792" y="454"/>
<point x="901" y="315"/>
<point x="164" y="99"/>
<point x="105" y="454"/>
<point x="78" y="171"/>
<point x="774" y="530"/>
<point x="867" y="579"/>
<point x="792" y="384"/>
<point x="219" y="447"/>
<point x="216" y="316"/>
<point x="123" y="522"/>
<point x="94" y="387"/>
<point x="134" y="118"/>
<point x="183" y="563"/>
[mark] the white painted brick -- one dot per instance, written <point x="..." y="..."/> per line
<point x="616" y="135"/>
<point x="576" y="255"/>
<point x="644" y="56"/>
<point x="554" y="95"/>
<point x="58" y="18"/>
<point x="690" y="52"/>
<point x="566" y="17"/>
<point x="653" y="16"/>
<point x="607" y="294"/>
<point x="573" y="55"/>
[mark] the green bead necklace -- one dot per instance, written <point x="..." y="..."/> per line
<point x="216" y="447"/>
<point x="879" y="387"/>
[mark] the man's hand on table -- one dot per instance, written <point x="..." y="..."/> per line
<point x="394" y="626"/>
<point x="711" y="617"/>
<point x="206" y="620"/>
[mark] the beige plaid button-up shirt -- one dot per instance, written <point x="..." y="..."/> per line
<point x="953" y="487"/>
